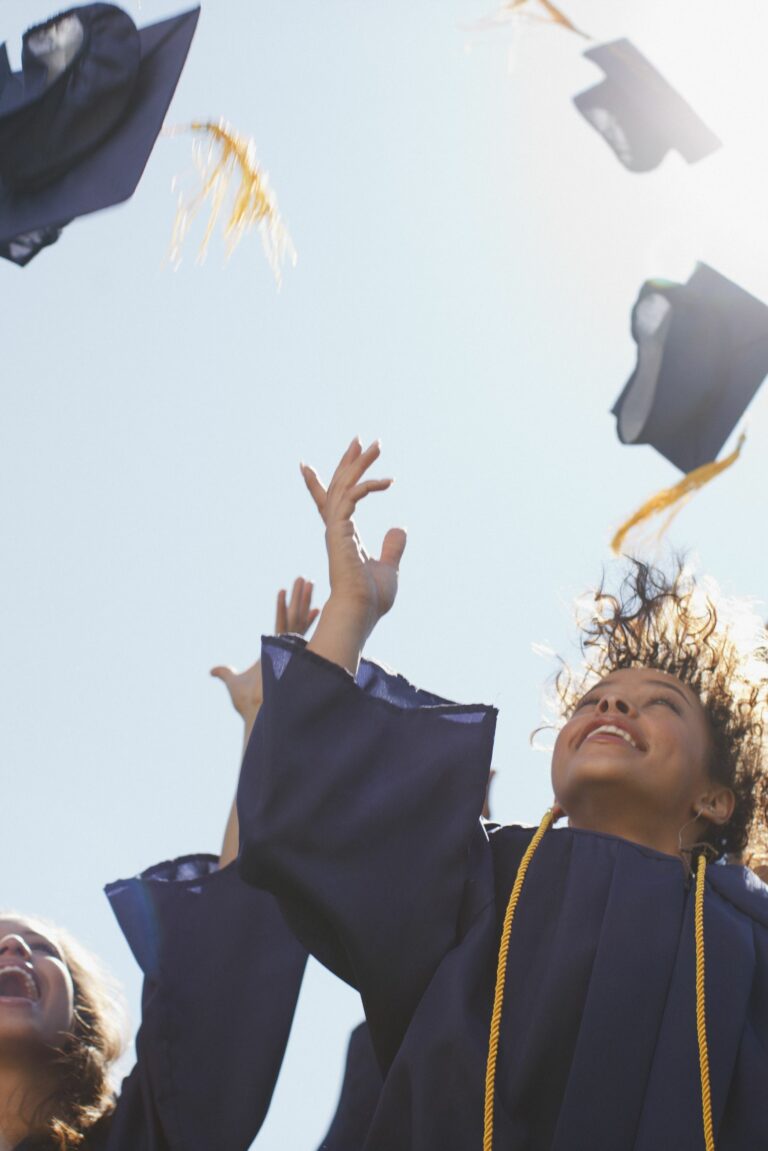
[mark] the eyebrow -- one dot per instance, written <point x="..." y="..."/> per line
<point x="655" y="682"/>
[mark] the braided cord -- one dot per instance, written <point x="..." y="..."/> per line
<point x="501" y="973"/>
<point x="701" y="1012"/>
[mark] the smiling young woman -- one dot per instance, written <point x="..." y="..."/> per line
<point x="61" y="1030"/>
<point x="61" y="1026"/>
<point x="528" y="988"/>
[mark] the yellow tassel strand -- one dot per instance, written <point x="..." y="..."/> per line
<point x="230" y="158"/>
<point x="554" y="15"/>
<point x="501" y="974"/>
<point x="701" y="1014"/>
<point x="670" y="497"/>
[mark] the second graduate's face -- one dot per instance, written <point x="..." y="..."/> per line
<point x="637" y="746"/>
<point x="36" y="988"/>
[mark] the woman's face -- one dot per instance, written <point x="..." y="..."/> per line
<point x="635" y="754"/>
<point x="36" y="989"/>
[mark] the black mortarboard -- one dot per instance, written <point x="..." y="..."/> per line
<point x="79" y="121"/>
<point x="702" y="353"/>
<point x="637" y="112"/>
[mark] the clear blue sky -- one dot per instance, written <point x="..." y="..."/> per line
<point x="469" y="251"/>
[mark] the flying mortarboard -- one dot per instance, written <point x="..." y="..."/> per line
<point x="638" y="113"/>
<point x="702" y="353"/>
<point x="79" y="121"/>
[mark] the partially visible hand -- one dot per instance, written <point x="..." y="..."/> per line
<point x="295" y="615"/>
<point x="298" y="615"/>
<point x="361" y="585"/>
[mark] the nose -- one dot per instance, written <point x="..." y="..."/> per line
<point x="611" y="701"/>
<point x="14" y="946"/>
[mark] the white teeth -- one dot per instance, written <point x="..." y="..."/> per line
<point x="611" y="729"/>
<point x="17" y="983"/>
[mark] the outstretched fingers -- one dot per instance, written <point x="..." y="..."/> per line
<point x="314" y="486"/>
<point x="363" y="460"/>
<point x="393" y="547"/>
<point x="307" y="612"/>
<point x="360" y="491"/>
<point x="297" y="614"/>
<point x="281" y="613"/>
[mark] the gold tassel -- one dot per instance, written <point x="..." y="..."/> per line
<point x="513" y="7"/>
<point x="669" y="497"/>
<point x="229" y="157"/>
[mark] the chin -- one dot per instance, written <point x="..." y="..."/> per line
<point x="22" y="1031"/>
<point x="605" y="772"/>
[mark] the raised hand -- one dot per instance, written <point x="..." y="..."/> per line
<point x="363" y="589"/>
<point x="295" y="615"/>
<point x="357" y="579"/>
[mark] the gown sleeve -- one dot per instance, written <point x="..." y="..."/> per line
<point x="360" y="1090"/>
<point x="222" y="974"/>
<point x="358" y="802"/>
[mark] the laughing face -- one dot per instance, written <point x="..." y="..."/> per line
<point x="633" y="760"/>
<point x="36" y="988"/>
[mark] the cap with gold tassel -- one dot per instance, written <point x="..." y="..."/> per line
<point x="229" y="175"/>
<point x="702" y="353"/>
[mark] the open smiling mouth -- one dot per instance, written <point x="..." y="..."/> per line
<point x="609" y="732"/>
<point x="17" y="986"/>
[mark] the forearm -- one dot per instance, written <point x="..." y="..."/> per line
<point x="341" y="633"/>
<point x="230" y="847"/>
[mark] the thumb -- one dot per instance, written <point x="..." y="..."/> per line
<point x="393" y="547"/>
<point x="225" y="674"/>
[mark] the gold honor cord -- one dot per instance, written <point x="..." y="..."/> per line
<point x="670" y="497"/>
<point x="501" y="974"/>
<point x="701" y="1010"/>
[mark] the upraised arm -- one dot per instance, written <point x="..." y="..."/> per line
<point x="363" y="589"/>
<point x="294" y="616"/>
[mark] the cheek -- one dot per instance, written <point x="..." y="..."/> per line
<point x="558" y="769"/>
<point x="60" y="1007"/>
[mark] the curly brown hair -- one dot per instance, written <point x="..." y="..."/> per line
<point x="81" y="1067"/>
<point x="671" y="621"/>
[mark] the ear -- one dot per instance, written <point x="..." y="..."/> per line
<point x="717" y="805"/>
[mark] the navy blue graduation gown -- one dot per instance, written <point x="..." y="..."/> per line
<point x="222" y="974"/>
<point x="359" y="808"/>
<point x="360" y="1090"/>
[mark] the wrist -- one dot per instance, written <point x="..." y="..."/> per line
<point x="248" y="714"/>
<point x="353" y="616"/>
<point x="341" y="632"/>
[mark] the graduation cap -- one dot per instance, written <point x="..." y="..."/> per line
<point x="638" y="113"/>
<point x="702" y="353"/>
<point x="79" y="121"/>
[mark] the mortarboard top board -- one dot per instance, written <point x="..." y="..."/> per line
<point x="702" y="353"/>
<point x="76" y="139"/>
<point x="638" y="113"/>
